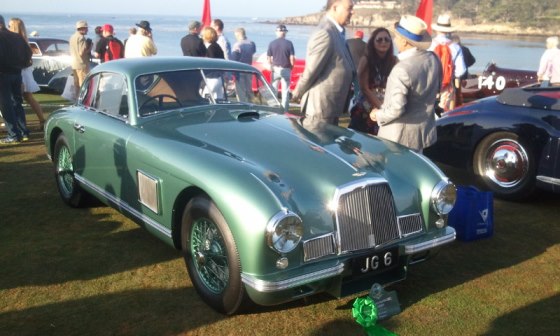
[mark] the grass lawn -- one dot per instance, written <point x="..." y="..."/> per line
<point x="92" y="271"/>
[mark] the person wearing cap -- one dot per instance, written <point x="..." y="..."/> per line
<point x="105" y="51"/>
<point x="357" y="46"/>
<point x="407" y="115"/>
<point x="80" y="52"/>
<point x="324" y="86"/>
<point x="281" y="57"/>
<point x="192" y="44"/>
<point x="443" y="30"/>
<point x="141" y="44"/>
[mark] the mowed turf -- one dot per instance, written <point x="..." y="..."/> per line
<point x="92" y="271"/>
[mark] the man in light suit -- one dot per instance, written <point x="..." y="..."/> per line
<point x="407" y="115"/>
<point x="324" y="85"/>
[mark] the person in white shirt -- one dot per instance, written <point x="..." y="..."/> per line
<point x="141" y="44"/>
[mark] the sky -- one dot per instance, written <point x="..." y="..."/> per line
<point x="219" y="8"/>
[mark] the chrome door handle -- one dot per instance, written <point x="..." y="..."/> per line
<point x="79" y="128"/>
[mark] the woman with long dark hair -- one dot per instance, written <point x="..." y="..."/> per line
<point x="373" y="69"/>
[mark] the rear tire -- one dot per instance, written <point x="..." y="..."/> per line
<point x="68" y="188"/>
<point x="211" y="256"/>
<point x="506" y="165"/>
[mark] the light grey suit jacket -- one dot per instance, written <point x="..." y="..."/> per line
<point x="407" y="115"/>
<point x="324" y="85"/>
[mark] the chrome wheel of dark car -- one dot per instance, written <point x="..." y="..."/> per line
<point x="68" y="187"/>
<point x="211" y="256"/>
<point x="505" y="165"/>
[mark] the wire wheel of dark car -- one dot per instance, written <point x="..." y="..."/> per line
<point x="506" y="165"/>
<point x="68" y="187"/>
<point x="211" y="256"/>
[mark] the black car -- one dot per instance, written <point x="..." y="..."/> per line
<point x="511" y="141"/>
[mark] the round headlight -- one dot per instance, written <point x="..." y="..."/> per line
<point x="284" y="232"/>
<point x="443" y="197"/>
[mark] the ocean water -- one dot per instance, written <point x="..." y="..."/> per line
<point x="506" y="51"/>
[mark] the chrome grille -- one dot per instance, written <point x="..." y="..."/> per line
<point x="411" y="224"/>
<point x="366" y="217"/>
<point x="318" y="247"/>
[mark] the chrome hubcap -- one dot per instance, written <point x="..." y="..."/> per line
<point x="506" y="163"/>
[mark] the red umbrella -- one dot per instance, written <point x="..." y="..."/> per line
<point x="206" y="16"/>
<point x="424" y="12"/>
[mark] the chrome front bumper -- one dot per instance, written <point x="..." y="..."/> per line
<point x="438" y="239"/>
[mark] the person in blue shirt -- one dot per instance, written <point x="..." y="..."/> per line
<point x="281" y="57"/>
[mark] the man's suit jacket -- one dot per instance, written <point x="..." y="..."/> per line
<point x="192" y="45"/>
<point x="407" y="115"/>
<point x="324" y="85"/>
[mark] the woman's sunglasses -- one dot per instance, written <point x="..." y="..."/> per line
<point x="383" y="39"/>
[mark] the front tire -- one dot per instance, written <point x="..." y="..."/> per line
<point x="211" y="256"/>
<point x="68" y="188"/>
<point x="506" y="165"/>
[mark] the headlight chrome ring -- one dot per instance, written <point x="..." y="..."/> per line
<point x="444" y="195"/>
<point x="284" y="231"/>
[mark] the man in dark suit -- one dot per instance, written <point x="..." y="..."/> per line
<point x="407" y="115"/>
<point x="357" y="46"/>
<point x="191" y="43"/>
<point x="324" y="85"/>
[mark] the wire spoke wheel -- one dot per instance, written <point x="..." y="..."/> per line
<point x="209" y="250"/>
<point x="65" y="171"/>
<point x="211" y="256"/>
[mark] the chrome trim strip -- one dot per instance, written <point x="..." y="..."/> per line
<point x="274" y="286"/>
<point x="143" y="218"/>
<point x="548" y="179"/>
<point x="448" y="237"/>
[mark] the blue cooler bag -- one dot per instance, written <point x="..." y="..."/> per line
<point x="473" y="214"/>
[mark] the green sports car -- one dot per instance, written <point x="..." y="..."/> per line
<point x="199" y="152"/>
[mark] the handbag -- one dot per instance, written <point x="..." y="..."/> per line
<point x="473" y="214"/>
<point x="69" y="92"/>
<point x="359" y="117"/>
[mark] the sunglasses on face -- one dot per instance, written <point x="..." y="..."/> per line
<point x="383" y="39"/>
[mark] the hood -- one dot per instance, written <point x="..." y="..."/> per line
<point x="287" y="157"/>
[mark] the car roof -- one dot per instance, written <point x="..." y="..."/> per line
<point x="141" y="65"/>
<point x="47" y="39"/>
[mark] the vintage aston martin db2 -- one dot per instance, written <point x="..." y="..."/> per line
<point x="264" y="209"/>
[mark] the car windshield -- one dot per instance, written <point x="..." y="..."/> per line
<point x="169" y="90"/>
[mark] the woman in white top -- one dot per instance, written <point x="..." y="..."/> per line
<point x="17" y="26"/>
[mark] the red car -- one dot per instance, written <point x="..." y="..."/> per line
<point x="262" y="65"/>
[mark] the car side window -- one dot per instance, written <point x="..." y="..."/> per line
<point x="35" y="49"/>
<point x="111" y="95"/>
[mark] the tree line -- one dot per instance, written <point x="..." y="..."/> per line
<point x="526" y="13"/>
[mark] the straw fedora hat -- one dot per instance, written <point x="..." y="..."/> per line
<point x="443" y="24"/>
<point x="414" y="30"/>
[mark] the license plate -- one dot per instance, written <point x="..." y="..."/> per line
<point x="376" y="262"/>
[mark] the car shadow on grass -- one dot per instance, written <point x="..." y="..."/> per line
<point x="45" y="242"/>
<point x="134" y="312"/>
